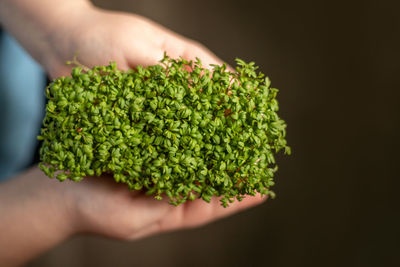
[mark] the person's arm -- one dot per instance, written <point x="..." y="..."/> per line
<point x="37" y="213"/>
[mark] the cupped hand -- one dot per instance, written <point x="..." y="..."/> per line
<point x="102" y="206"/>
<point x="102" y="36"/>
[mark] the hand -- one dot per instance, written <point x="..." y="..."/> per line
<point x="102" y="206"/>
<point x="102" y="36"/>
<point x="39" y="213"/>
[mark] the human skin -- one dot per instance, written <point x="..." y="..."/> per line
<point x="36" y="213"/>
<point x="52" y="31"/>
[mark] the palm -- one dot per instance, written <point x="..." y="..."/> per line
<point x="110" y="209"/>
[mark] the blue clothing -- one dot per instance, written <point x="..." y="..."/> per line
<point x="22" y="86"/>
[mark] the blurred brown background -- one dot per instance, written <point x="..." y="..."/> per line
<point x="336" y="64"/>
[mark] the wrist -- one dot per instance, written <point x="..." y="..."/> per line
<point x="54" y="204"/>
<point x="37" y="216"/>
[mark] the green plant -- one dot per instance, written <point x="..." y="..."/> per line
<point x="175" y="128"/>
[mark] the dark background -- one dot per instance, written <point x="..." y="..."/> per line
<point x="336" y="64"/>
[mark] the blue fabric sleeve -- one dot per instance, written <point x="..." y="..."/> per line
<point x="22" y="85"/>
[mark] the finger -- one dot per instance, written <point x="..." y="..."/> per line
<point x="143" y="54"/>
<point x="189" y="50"/>
<point x="199" y="212"/>
<point x="174" y="44"/>
<point x="207" y="212"/>
<point x="193" y="49"/>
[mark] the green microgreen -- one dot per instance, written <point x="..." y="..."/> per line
<point x="175" y="129"/>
